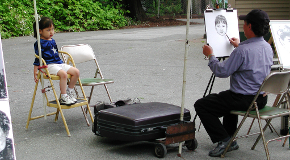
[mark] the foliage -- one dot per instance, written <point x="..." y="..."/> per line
<point x="17" y="16"/>
<point x="220" y="3"/>
<point x="167" y="7"/>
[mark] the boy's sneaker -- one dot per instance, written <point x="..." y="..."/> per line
<point x="66" y="101"/>
<point x="71" y="95"/>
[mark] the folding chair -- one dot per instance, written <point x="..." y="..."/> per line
<point x="83" y="53"/>
<point x="276" y="83"/>
<point x="55" y="103"/>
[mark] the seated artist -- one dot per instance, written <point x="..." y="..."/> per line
<point x="247" y="66"/>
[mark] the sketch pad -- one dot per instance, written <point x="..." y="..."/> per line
<point x="217" y="38"/>
<point x="280" y="30"/>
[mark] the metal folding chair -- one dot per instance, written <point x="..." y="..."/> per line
<point x="276" y="83"/>
<point x="83" y="53"/>
<point x="55" y="102"/>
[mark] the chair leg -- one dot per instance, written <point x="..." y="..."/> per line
<point x="32" y="103"/>
<point x="85" y="115"/>
<point x="234" y="135"/>
<point x="56" y="115"/>
<point x="285" y="140"/>
<point x="59" y="110"/>
<point x="108" y="93"/>
<point x="251" y="126"/>
<point x="91" y="115"/>
<point x="262" y="134"/>
<point x="64" y="121"/>
<point x="272" y="128"/>
<point x="89" y="98"/>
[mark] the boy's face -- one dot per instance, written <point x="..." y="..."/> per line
<point x="221" y="28"/>
<point x="46" y="33"/>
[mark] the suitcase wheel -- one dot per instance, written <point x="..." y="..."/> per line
<point x="160" y="150"/>
<point x="191" y="144"/>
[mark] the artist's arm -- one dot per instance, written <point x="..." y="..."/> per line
<point x="228" y="67"/>
<point x="235" y="42"/>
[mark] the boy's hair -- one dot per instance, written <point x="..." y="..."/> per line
<point x="219" y="19"/>
<point x="43" y="23"/>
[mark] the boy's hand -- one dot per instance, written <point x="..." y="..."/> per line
<point x="35" y="77"/>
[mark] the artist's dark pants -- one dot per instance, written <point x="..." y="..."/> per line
<point x="213" y="106"/>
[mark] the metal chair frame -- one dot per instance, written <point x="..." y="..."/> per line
<point x="276" y="83"/>
<point x="55" y="103"/>
<point x="83" y="53"/>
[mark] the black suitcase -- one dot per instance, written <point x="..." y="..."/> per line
<point x="138" y="122"/>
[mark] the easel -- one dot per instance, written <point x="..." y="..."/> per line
<point x="275" y="37"/>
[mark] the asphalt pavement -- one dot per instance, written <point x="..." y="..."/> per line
<point x="145" y="63"/>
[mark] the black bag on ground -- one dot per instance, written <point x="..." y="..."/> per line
<point x="138" y="122"/>
<point x="102" y="105"/>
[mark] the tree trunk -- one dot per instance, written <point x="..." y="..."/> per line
<point x="136" y="10"/>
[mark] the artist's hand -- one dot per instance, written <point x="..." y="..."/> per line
<point x="207" y="50"/>
<point x="235" y="41"/>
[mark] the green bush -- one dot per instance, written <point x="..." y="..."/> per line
<point x="17" y="16"/>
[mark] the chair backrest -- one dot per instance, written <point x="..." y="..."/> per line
<point x="276" y="83"/>
<point x="80" y="52"/>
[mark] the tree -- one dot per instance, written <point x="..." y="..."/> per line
<point x="136" y="10"/>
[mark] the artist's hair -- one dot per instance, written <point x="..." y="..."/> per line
<point x="44" y="22"/>
<point x="284" y="32"/>
<point x="261" y="27"/>
<point x="220" y="19"/>
<point x="4" y="123"/>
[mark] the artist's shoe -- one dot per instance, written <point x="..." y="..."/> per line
<point x="71" y="95"/>
<point x="219" y="150"/>
<point x="66" y="101"/>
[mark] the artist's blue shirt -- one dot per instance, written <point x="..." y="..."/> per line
<point x="49" y="52"/>
<point x="247" y="66"/>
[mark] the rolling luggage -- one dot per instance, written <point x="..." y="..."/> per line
<point x="153" y="121"/>
<point x="138" y="122"/>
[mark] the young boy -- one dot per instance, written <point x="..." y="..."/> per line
<point x="56" y="66"/>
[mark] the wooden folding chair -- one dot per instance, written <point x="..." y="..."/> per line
<point x="83" y="53"/>
<point x="276" y="83"/>
<point x="55" y="103"/>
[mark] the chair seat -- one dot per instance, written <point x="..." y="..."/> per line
<point x="95" y="81"/>
<point x="80" y="102"/>
<point x="55" y="77"/>
<point x="265" y="113"/>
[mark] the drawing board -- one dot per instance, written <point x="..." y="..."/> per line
<point x="218" y="24"/>
<point x="6" y="134"/>
<point x="280" y="30"/>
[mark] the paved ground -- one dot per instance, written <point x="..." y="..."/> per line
<point x="146" y="63"/>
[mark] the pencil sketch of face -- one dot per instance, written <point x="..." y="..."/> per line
<point x="284" y="34"/>
<point x="4" y="129"/>
<point x="221" y="25"/>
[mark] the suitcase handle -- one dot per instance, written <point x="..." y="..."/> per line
<point x="180" y="134"/>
